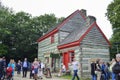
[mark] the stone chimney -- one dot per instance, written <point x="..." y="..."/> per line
<point x="90" y="20"/>
<point x="83" y="11"/>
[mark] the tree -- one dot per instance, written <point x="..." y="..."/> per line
<point x="113" y="15"/>
<point x="5" y="16"/>
<point x="20" y="31"/>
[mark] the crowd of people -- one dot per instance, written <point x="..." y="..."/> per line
<point x="36" y="68"/>
<point x="101" y="70"/>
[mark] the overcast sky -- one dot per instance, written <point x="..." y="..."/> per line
<point x="63" y="8"/>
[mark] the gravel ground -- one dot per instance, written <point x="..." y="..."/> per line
<point x="19" y="77"/>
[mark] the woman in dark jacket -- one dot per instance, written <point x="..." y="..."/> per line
<point x="93" y="68"/>
<point x="19" y="65"/>
<point x="116" y="67"/>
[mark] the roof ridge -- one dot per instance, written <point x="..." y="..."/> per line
<point x="59" y="25"/>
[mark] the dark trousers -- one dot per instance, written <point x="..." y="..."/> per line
<point x="117" y="77"/>
<point x="75" y="75"/>
<point x="25" y="71"/>
<point x="94" y="77"/>
<point x="31" y="74"/>
<point x="18" y="70"/>
<point x="1" y="75"/>
<point x="4" y="72"/>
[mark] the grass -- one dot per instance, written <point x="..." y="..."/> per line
<point x="69" y="77"/>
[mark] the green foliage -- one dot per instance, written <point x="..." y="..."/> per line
<point x="20" y="31"/>
<point x="3" y="50"/>
<point x="5" y="15"/>
<point x="113" y="14"/>
<point x="52" y="55"/>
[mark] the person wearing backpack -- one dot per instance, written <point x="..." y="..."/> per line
<point x="11" y="65"/>
<point x="116" y="67"/>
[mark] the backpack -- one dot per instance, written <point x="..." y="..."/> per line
<point x="116" y="68"/>
<point x="9" y="69"/>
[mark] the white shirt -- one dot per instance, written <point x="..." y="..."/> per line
<point x="42" y="65"/>
<point x="63" y="68"/>
<point x="25" y="64"/>
<point x="75" y="65"/>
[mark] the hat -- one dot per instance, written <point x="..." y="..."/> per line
<point x="118" y="55"/>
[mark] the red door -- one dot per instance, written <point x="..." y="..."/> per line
<point x="66" y="59"/>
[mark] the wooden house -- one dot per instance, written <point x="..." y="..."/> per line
<point x="77" y="36"/>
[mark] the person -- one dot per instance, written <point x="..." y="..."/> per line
<point x="36" y="66"/>
<point x="1" y="68"/>
<point x="93" y="69"/>
<point x="112" y="63"/>
<point x="19" y="65"/>
<point x="75" y="67"/>
<point x="31" y="71"/>
<point x="48" y="72"/>
<point x="106" y="70"/>
<point x="25" y="66"/>
<point x="12" y="64"/>
<point x="62" y="70"/>
<point x="41" y="69"/>
<point x="116" y="67"/>
<point x="99" y="65"/>
<point x="4" y="66"/>
<point x="103" y="69"/>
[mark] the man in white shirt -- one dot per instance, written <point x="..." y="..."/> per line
<point x="75" y="67"/>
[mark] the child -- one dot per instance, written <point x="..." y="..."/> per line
<point x="31" y="72"/>
<point x="40" y="73"/>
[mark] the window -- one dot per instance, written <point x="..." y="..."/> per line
<point x="52" y="39"/>
<point x="71" y="57"/>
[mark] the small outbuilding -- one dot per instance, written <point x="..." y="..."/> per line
<point x="77" y="36"/>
